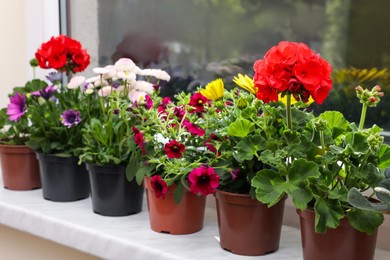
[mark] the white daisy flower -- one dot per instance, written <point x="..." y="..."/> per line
<point x="157" y="73"/>
<point x="135" y="95"/>
<point x="143" y="86"/>
<point x="105" y="91"/>
<point x="125" y="64"/>
<point x="76" y="82"/>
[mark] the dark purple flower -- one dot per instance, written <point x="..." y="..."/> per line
<point x="17" y="107"/>
<point x="70" y="118"/>
<point x="46" y="93"/>
<point x="54" y="77"/>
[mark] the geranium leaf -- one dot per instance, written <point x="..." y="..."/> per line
<point x="358" y="142"/>
<point x="365" y="221"/>
<point x="240" y="128"/>
<point x="336" y="122"/>
<point x="384" y="157"/>
<point x="328" y="214"/>
<point x="302" y="169"/>
<point x="269" y="186"/>
<point x="299" y="194"/>
<point x="248" y="147"/>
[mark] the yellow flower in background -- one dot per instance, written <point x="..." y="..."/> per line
<point x="245" y="82"/>
<point x="293" y="101"/>
<point x="213" y="90"/>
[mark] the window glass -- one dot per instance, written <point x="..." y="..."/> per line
<point x="199" y="40"/>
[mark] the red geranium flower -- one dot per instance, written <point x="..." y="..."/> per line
<point x="198" y="101"/>
<point x="174" y="149"/>
<point x="292" y="68"/>
<point x="203" y="180"/>
<point x="159" y="186"/>
<point x="63" y="54"/>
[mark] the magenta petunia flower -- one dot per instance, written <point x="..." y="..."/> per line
<point x="198" y="101"/>
<point x="46" y="93"/>
<point x="159" y="186"/>
<point x="17" y="107"/>
<point x="139" y="139"/>
<point x="174" y="149"/>
<point x="70" y="118"/>
<point x="194" y="129"/>
<point x="203" y="180"/>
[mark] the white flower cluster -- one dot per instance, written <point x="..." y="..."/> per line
<point x="124" y="74"/>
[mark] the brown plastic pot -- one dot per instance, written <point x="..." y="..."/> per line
<point x="19" y="167"/>
<point x="177" y="219"/>
<point x="342" y="243"/>
<point x="247" y="226"/>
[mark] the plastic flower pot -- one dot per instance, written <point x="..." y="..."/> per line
<point x="112" y="194"/>
<point x="166" y="216"/>
<point x="341" y="243"/>
<point x="19" y="167"/>
<point x="63" y="179"/>
<point x="247" y="226"/>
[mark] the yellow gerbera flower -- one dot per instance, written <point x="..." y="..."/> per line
<point x="214" y="90"/>
<point x="245" y="82"/>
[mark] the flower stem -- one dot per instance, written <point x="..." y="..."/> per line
<point x="363" y="117"/>
<point x="288" y="111"/>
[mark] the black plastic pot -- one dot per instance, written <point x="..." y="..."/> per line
<point x="63" y="179"/>
<point x="112" y="194"/>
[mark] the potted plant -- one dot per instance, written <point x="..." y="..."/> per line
<point x="57" y="116"/>
<point x="176" y="165"/>
<point x="109" y="139"/>
<point x="318" y="165"/>
<point x="19" y="165"/>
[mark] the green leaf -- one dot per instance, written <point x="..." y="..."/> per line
<point x="299" y="194"/>
<point x="178" y="193"/>
<point x="302" y="169"/>
<point x="365" y="221"/>
<point x="358" y="142"/>
<point x="336" y="122"/>
<point x="384" y="157"/>
<point x="132" y="167"/>
<point x="328" y="214"/>
<point x="240" y="128"/>
<point x="269" y="186"/>
<point x="142" y="172"/>
<point x="248" y="147"/>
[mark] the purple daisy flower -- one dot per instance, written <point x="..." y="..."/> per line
<point x="70" y="118"/>
<point x="46" y="93"/>
<point x="17" y="107"/>
<point x="54" y="77"/>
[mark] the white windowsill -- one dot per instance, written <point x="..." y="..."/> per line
<point x="73" y="224"/>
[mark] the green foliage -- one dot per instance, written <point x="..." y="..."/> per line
<point x="107" y="138"/>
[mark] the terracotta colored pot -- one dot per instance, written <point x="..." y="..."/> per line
<point x="342" y="243"/>
<point x="19" y="167"/>
<point x="247" y="226"/>
<point x="168" y="217"/>
<point x="112" y="194"/>
<point x="63" y="179"/>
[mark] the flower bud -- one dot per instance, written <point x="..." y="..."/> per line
<point x="241" y="103"/>
<point x="320" y="124"/>
<point x="375" y="141"/>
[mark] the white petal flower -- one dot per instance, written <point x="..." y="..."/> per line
<point x="88" y="91"/>
<point x="100" y="83"/>
<point x="92" y="80"/>
<point x="105" y="91"/>
<point x="157" y="73"/>
<point x="125" y="64"/>
<point x="143" y="86"/>
<point x="111" y="72"/>
<point x="76" y="82"/>
<point x="125" y="75"/>
<point x="100" y="70"/>
<point x="136" y="95"/>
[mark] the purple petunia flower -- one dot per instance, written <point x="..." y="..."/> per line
<point x="46" y="93"/>
<point x="70" y="118"/>
<point x="17" y="107"/>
